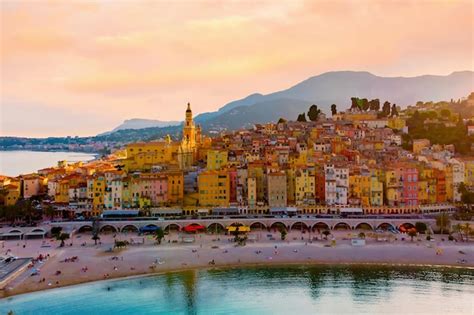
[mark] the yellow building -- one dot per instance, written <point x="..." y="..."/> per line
<point x="11" y="193"/>
<point x="214" y="188"/>
<point x="175" y="187"/>
<point x="469" y="171"/>
<point x="359" y="188"/>
<point x="143" y="156"/>
<point x="376" y="190"/>
<point x="420" y="144"/>
<point x="423" y="197"/>
<point x="392" y="187"/>
<point x="305" y="185"/>
<point x="98" y="193"/>
<point x="216" y="159"/>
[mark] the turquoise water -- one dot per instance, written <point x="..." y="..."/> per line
<point x="275" y="290"/>
<point x="14" y="163"/>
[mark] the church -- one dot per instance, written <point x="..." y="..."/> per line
<point x="142" y="156"/>
<point x="191" y="141"/>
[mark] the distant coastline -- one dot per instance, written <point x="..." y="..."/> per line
<point x="17" y="162"/>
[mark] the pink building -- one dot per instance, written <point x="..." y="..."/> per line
<point x="154" y="187"/>
<point x="409" y="176"/>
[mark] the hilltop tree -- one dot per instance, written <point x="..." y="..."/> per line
<point x="386" y="109"/>
<point x="394" y="110"/>
<point x="354" y="103"/>
<point x="314" y="113"/>
<point x="374" y="104"/>
<point x="301" y="117"/>
<point x="365" y="104"/>
<point x="333" y="109"/>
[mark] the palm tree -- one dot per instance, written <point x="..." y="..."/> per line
<point x="283" y="234"/>
<point x="95" y="238"/>
<point x="442" y="221"/>
<point x="159" y="235"/>
<point x="62" y="237"/>
<point x="48" y="211"/>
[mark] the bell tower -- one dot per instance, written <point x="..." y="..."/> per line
<point x="189" y="130"/>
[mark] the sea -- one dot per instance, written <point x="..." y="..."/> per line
<point x="317" y="289"/>
<point x="14" y="163"/>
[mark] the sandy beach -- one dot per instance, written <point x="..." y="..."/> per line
<point x="95" y="263"/>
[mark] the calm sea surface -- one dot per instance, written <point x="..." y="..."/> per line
<point x="275" y="290"/>
<point x="14" y="163"/>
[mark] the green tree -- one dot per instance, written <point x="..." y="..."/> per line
<point x="95" y="238"/>
<point x="386" y="109"/>
<point x="333" y="109"/>
<point x="283" y="234"/>
<point x="374" y="105"/>
<point x="56" y="230"/>
<point x="442" y="221"/>
<point x="420" y="227"/>
<point x="62" y="237"/>
<point x="48" y="211"/>
<point x="314" y="113"/>
<point x="365" y="104"/>
<point x="412" y="233"/>
<point x="301" y="117"/>
<point x="159" y="235"/>
<point x="356" y="103"/>
<point x="394" y="111"/>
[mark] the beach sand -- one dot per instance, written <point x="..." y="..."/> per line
<point x="141" y="259"/>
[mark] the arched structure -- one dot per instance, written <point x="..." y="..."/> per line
<point x="341" y="226"/>
<point x="172" y="227"/>
<point x="385" y="226"/>
<point x="278" y="225"/>
<point x="257" y="226"/>
<point x="84" y="229"/>
<point x="299" y="226"/>
<point x="108" y="228"/>
<point x="321" y="226"/>
<point x="364" y="226"/>
<point x="215" y="227"/>
<point x="236" y="224"/>
<point x="130" y="228"/>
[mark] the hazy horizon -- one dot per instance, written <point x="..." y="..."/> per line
<point x="82" y="69"/>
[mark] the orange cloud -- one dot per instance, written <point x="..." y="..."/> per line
<point x="118" y="60"/>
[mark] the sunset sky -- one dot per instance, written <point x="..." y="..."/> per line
<point x="82" y="67"/>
